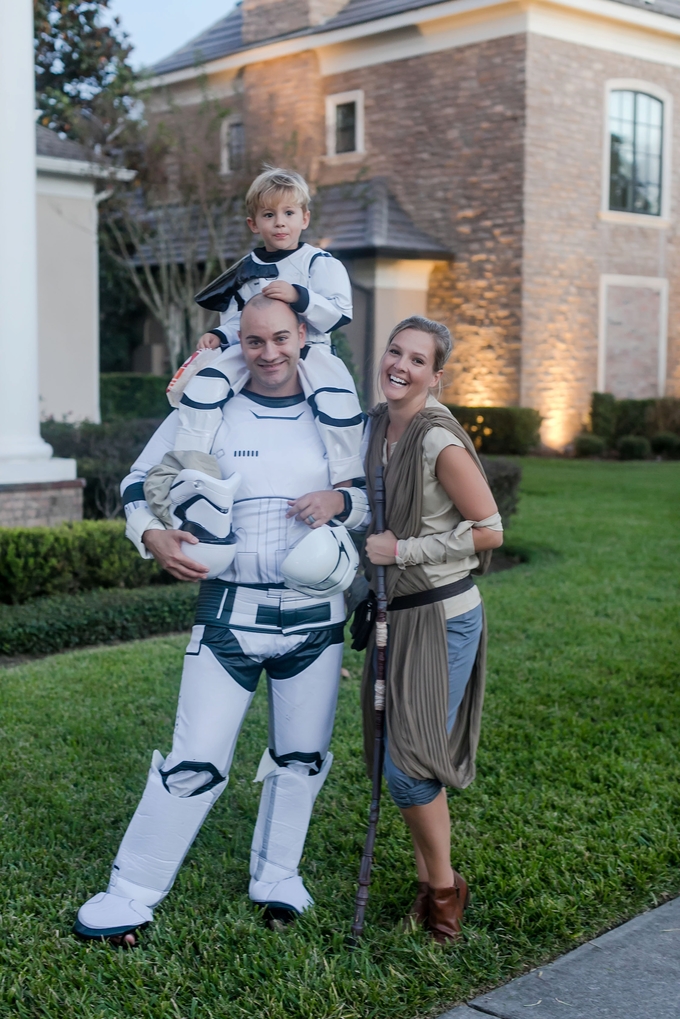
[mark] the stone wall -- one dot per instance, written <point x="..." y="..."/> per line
<point x="446" y="130"/>
<point x="41" y="505"/>
<point x="567" y="246"/>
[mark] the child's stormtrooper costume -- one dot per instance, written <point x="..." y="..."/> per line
<point x="247" y="620"/>
<point x="210" y="378"/>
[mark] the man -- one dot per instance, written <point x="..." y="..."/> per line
<point x="246" y="621"/>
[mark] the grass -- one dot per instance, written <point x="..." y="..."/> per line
<point x="570" y="828"/>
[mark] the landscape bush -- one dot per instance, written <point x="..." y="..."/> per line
<point x="633" y="447"/>
<point x="104" y="454"/>
<point x="589" y="445"/>
<point x="614" y="419"/>
<point x="666" y="444"/>
<point x="130" y="395"/>
<point x="47" y="625"/>
<point x="500" y="430"/>
<point x="504" y="477"/>
<point x="71" y="558"/>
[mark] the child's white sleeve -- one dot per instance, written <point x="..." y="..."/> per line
<point x="230" y="323"/>
<point x="327" y="303"/>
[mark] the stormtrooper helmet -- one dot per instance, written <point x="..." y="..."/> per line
<point x="324" y="563"/>
<point x="202" y="506"/>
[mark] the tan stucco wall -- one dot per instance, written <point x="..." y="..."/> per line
<point x="68" y="308"/>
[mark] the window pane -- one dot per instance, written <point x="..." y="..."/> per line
<point x="237" y="146"/>
<point x="346" y="127"/>
<point x="636" y="141"/>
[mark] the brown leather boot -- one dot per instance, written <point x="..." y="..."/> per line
<point x="419" y="910"/>
<point x="446" y="907"/>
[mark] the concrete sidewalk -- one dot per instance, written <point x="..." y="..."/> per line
<point x="632" y="972"/>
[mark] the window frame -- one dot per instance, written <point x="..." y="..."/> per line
<point x="662" y="221"/>
<point x="660" y="284"/>
<point x="225" y="127"/>
<point x="332" y="102"/>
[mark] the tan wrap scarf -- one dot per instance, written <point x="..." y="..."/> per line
<point x="417" y="671"/>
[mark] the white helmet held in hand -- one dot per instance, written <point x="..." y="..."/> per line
<point x="202" y="506"/>
<point x="324" y="563"/>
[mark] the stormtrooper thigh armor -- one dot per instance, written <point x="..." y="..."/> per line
<point x="181" y="790"/>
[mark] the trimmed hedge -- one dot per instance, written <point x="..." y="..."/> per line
<point x="504" y="478"/>
<point x="589" y="445"/>
<point x="47" y="625"/>
<point x="666" y="444"/>
<point x="130" y="395"/>
<point x="633" y="447"/>
<point x="614" y="419"/>
<point x="104" y="453"/>
<point x="499" y="430"/>
<point x="71" y="558"/>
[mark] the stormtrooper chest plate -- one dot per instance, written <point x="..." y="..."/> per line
<point x="276" y="448"/>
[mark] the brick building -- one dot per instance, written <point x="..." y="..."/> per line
<point x="508" y="166"/>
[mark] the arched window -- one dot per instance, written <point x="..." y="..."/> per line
<point x="636" y="127"/>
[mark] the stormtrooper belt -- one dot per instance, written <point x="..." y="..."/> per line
<point x="263" y="608"/>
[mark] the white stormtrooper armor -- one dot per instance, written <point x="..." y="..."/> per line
<point x="247" y="621"/>
<point x="202" y="506"/>
<point x="325" y="562"/>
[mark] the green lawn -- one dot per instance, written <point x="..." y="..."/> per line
<point x="571" y="827"/>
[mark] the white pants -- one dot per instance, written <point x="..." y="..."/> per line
<point x="218" y="685"/>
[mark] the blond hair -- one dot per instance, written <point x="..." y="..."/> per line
<point x="441" y="337"/>
<point x="276" y="183"/>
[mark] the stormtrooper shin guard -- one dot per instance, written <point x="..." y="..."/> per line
<point x="288" y="796"/>
<point x="158" y="838"/>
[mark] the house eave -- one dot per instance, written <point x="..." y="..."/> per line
<point x="57" y="167"/>
<point x="395" y="253"/>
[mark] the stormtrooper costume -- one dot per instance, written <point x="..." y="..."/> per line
<point x="247" y="620"/>
<point x="210" y="377"/>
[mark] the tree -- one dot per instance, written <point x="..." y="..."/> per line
<point x="85" y="87"/>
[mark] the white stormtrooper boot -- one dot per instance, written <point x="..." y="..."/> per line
<point x="158" y="838"/>
<point x="288" y="796"/>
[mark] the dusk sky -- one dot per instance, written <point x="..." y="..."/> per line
<point x="157" y="27"/>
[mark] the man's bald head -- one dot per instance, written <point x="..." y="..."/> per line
<point x="271" y="338"/>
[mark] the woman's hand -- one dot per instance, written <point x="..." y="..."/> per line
<point x="166" y="548"/>
<point x="381" y="548"/>
<point x="317" y="508"/>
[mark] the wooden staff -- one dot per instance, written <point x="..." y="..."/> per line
<point x="379" y="705"/>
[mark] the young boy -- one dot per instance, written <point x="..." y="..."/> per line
<point x="316" y="287"/>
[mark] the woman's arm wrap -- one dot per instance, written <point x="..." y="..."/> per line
<point x="434" y="549"/>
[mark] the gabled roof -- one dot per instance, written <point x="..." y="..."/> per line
<point x="48" y="143"/>
<point x="365" y="220"/>
<point x="225" y="36"/>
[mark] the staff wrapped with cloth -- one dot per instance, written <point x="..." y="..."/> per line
<point x="442" y="524"/>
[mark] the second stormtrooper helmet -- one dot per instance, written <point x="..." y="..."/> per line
<point x="324" y="563"/>
<point x="202" y="506"/>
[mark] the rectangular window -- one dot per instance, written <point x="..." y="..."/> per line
<point x="636" y="152"/>
<point x="233" y="146"/>
<point x="345" y="123"/>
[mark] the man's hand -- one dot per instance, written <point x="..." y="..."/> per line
<point x="208" y="341"/>
<point x="381" y="548"/>
<point x="166" y="548"/>
<point x="280" y="291"/>
<point x="317" y="508"/>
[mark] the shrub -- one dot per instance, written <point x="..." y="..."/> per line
<point x="631" y="417"/>
<point x="603" y="416"/>
<point x="104" y="453"/>
<point x="664" y="416"/>
<point x="633" y="447"/>
<point x="589" y="445"/>
<point x="504" y="477"/>
<point x="71" y="558"/>
<point x="497" y="430"/>
<point x="666" y="444"/>
<point x="129" y="395"/>
<point x="46" y="625"/>
<point x="613" y="419"/>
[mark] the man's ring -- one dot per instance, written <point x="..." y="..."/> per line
<point x="310" y="519"/>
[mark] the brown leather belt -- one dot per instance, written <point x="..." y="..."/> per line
<point x="432" y="595"/>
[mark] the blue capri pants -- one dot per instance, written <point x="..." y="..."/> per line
<point x="462" y="635"/>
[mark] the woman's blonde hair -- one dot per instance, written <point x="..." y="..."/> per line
<point x="275" y="183"/>
<point x="443" y="344"/>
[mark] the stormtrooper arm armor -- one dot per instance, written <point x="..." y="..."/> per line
<point x="327" y="303"/>
<point x="446" y="547"/>
<point x="357" y="515"/>
<point x="139" y="516"/>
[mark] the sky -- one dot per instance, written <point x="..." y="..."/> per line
<point x="157" y="27"/>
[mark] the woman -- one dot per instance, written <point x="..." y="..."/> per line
<point x="442" y="522"/>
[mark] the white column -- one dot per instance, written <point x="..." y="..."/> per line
<point x="24" y="457"/>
